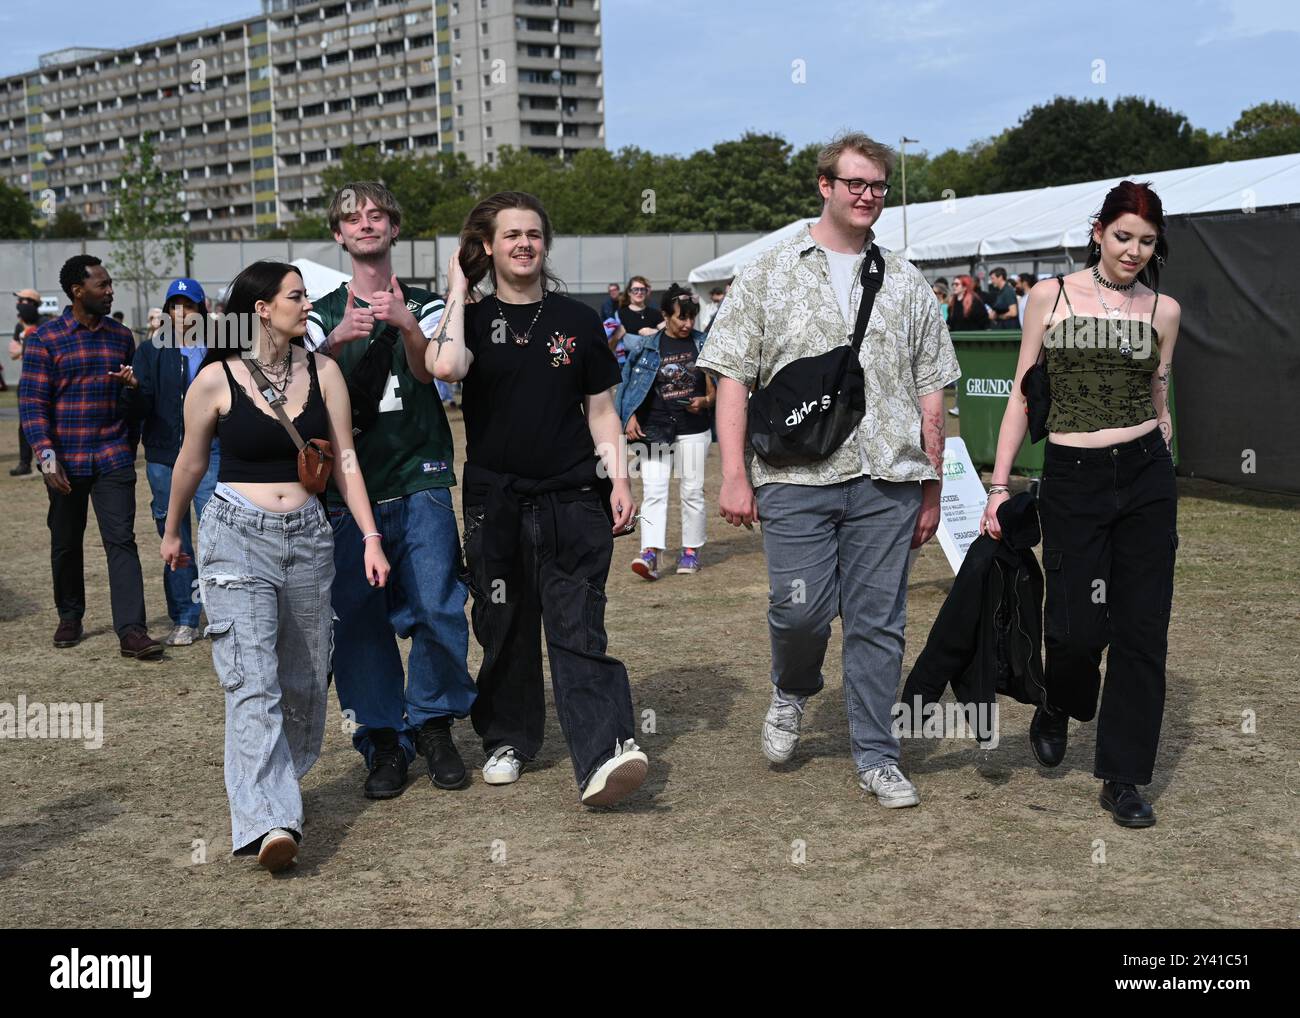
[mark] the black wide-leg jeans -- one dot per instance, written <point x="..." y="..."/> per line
<point x="557" y="580"/>
<point x="1109" y="519"/>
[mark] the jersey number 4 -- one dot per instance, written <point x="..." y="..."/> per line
<point x="391" y="401"/>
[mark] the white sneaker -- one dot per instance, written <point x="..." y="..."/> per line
<point x="502" y="767"/>
<point x="781" y="726"/>
<point x="891" y="787"/>
<point x="279" y="849"/>
<point x="180" y="636"/>
<point x="618" y="777"/>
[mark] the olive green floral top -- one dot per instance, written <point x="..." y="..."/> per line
<point x="1099" y="370"/>
<point x="782" y="307"/>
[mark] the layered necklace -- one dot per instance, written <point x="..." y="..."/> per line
<point x="521" y="339"/>
<point x="279" y="374"/>
<point x="1118" y="316"/>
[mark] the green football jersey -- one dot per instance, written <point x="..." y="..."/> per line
<point x="408" y="448"/>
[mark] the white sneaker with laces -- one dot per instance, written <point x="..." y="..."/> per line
<point x="502" y="767"/>
<point x="781" y="726"/>
<point x="890" y="786"/>
<point x="180" y="636"/>
<point x="618" y="777"/>
<point x="279" y="849"/>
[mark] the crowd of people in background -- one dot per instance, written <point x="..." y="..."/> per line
<point x="966" y="306"/>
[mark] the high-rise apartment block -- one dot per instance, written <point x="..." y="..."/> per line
<point x="247" y="114"/>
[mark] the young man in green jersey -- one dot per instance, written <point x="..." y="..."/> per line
<point x="406" y="456"/>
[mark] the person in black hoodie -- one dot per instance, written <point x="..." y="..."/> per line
<point x="987" y="636"/>
<point x="154" y="397"/>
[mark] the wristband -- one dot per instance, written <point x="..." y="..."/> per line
<point x="998" y="489"/>
<point x="373" y="533"/>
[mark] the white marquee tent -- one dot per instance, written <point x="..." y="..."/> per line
<point x="1048" y="219"/>
<point x="319" y="279"/>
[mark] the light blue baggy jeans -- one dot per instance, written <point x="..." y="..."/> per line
<point x="841" y="549"/>
<point x="265" y="581"/>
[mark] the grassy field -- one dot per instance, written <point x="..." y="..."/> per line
<point x="114" y="836"/>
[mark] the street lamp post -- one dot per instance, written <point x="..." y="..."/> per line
<point x="902" y="147"/>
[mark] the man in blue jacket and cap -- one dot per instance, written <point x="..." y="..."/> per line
<point x="154" y="396"/>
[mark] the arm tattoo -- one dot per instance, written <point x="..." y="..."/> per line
<point x="932" y="439"/>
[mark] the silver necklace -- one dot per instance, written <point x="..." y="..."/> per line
<point x="1118" y="316"/>
<point x="521" y="339"/>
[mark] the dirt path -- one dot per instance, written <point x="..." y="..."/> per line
<point x="108" y="836"/>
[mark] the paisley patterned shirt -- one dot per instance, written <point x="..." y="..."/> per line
<point x="782" y="307"/>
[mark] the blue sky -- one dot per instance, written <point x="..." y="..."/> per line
<point x="681" y="75"/>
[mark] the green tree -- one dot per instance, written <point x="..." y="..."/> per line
<point x="146" y="225"/>
<point x="1266" y="129"/>
<point x="16" y="214"/>
<point x="1070" y="140"/>
<point x="67" y="224"/>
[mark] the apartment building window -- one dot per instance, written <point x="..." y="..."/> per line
<point x="487" y="105"/>
<point x="483" y="28"/>
<point x="460" y="110"/>
<point x="486" y="55"/>
<point x="460" y="135"/>
<point x="487" y="132"/>
<point x="366" y="101"/>
<point x="455" y="35"/>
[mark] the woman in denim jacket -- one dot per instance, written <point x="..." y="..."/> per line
<point x="664" y="403"/>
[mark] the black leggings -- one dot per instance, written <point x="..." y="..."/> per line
<point x="1109" y="519"/>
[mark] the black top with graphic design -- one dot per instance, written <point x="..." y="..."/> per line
<point x="523" y="403"/>
<point x="635" y="321"/>
<point x="678" y="379"/>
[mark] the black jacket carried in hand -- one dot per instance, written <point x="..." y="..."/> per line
<point x="987" y="638"/>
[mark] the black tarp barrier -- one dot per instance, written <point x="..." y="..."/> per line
<point x="1236" y="276"/>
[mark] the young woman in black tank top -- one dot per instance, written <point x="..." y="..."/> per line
<point x="1107" y="501"/>
<point x="266" y="551"/>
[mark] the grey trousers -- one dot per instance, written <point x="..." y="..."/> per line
<point x="841" y="549"/>
<point x="265" y="582"/>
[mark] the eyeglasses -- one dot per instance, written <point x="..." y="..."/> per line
<point x="638" y="289"/>
<point x="857" y="186"/>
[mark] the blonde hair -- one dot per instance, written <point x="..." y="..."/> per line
<point x="829" y="157"/>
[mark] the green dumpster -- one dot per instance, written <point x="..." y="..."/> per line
<point x="988" y="368"/>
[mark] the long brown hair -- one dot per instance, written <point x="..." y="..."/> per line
<point x="626" y="299"/>
<point x="481" y="226"/>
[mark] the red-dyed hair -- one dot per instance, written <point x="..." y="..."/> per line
<point x="968" y="298"/>
<point x="1140" y="200"/>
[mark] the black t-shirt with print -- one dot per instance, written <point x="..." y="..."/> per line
<point x="678" y="378"/>
<point x="635" y="321"/>
<point x="523" y="403"/>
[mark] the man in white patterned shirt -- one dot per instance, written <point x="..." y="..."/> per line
<point x="837" y="532"/>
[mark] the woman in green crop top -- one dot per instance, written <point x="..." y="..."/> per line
<point x="1107" y="500"/>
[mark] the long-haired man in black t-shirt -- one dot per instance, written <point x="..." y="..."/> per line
<point x="546" y="489"/>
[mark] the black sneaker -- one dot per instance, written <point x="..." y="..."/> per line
<point x="388" y="766"/>
<point x="446" y="768"/>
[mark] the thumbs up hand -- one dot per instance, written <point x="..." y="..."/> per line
<point x="357" y="322"/>
<point x="390" y="307"/>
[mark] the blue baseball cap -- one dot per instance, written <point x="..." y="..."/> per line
<point x="187" y="288"/>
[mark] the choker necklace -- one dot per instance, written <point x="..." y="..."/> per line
<point x="278" y="374"/>
<point x="521" y="339"/>
<point x="1096" y="274"/>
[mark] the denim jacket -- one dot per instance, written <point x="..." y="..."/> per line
<point x="640" y="369"/>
